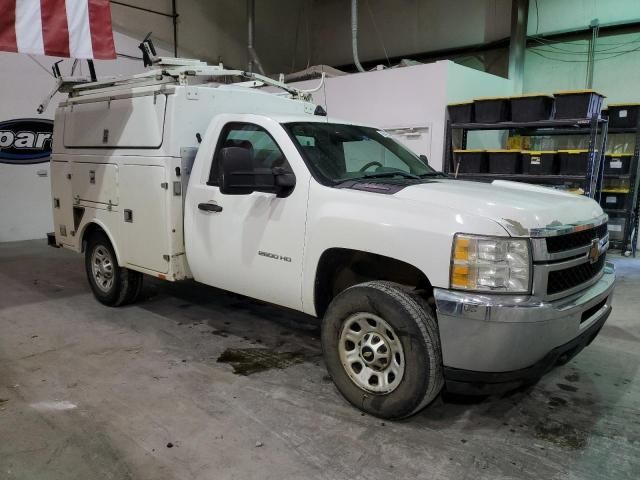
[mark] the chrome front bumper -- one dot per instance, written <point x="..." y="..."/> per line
<point x="496" y="334"/>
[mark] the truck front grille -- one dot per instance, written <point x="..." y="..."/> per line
<point x="561" y="280"/>
<point x="575" y="240"/>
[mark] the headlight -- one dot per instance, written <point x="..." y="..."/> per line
<point x="491" y="264"/>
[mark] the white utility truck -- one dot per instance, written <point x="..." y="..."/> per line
<point x="422" y="281"/>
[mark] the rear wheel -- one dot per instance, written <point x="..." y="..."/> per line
<point x="382" y="349"/>
<point x="111" y="284"/>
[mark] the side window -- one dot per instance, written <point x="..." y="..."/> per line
<point x="264" y="151"/>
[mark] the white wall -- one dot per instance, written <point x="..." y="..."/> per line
<point x="25" y="196"/>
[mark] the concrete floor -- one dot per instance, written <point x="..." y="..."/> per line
<point x="90" y="392"/>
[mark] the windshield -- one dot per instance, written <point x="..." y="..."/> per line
<point x="340" y="152"/>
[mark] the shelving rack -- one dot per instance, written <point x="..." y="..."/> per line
<point x="596" y="128"/>
<point x="631" y="211"/>
<point x="592" y="181"/>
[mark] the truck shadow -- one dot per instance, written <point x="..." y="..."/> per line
<point x="232" y="315"/>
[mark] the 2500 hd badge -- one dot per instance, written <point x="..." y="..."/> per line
<point x="25" y="141"/>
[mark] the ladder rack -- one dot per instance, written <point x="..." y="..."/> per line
<point x="172" y="71"/>
<point x="179" y="72"/>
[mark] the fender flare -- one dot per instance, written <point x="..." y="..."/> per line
<point x="103" y="227"/>
<point x="321" y="263"/>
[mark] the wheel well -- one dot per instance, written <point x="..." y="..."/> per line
<point x="341" y="268"/>
<point x="90" y="230"/>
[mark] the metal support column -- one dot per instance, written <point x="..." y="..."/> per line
<point x="591" y="57"/>
<point x="518" y="42"/>
<point x="254" y="60"/>
<point x="174" y="12"/>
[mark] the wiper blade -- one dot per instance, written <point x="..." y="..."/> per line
<point x="397" y="173"/>
<point x="434" y="174"/>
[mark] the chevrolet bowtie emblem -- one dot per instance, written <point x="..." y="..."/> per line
<point x="594" y="250"/>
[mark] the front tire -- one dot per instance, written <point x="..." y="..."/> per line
<point x="382" y="349"/>
<point x="111" y="284"/>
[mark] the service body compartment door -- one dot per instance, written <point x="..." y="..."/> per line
<point x="145" y="224"/>
<point x="136" y="122"/>
<point x="62" y="200"/>
<point x="95" y="182"/>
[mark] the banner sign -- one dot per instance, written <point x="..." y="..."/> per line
<point x="25" y="141"/>
<point x="59" y="28"/>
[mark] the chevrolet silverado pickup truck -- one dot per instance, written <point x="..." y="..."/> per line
<point x="422" y="281"/>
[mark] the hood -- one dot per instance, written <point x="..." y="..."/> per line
<point x="519" y="207"/>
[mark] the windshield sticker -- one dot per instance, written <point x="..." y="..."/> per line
<point x="384" y="134"/>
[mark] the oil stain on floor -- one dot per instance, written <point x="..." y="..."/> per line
<point x="246" y="361"/>
<point x="561" y="434"/>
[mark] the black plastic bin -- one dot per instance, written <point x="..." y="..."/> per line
<point x="491" y="110"/>
<point x="623" y="115"/>
<point x="469" y="161"/>
<point x="578" y="104"/>
<point x="616" y="226"/>
<point x="532" y="108"/>
<point x="539" y="162"/>
<point x="617" y="163"/>
<point x="614" y="200"/>
<point x="616" y="184"/>
<point x="573" y="162"/>
<point x="461" y="112"/>
<point x="505" y="161"/>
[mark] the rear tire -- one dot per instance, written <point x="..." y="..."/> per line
<point x="382" y="349"/>
<point x="111" y="284"/>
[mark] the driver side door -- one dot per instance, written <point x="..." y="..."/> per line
<point x="250" y="244"/>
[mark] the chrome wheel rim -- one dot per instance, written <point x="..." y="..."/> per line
<point x="371" y="353"/>
<point x="102" y="267"/>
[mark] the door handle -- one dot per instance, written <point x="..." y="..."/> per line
<point x="209" y="207"/>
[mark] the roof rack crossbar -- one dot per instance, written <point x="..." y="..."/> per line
<point x="180" y="75"/>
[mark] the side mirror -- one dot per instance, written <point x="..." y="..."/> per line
<point x="424" y="158"/>
<point x="237" y="175"/>
<point x="285" y="181"/>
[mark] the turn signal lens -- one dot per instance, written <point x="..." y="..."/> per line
<point x="460" y="276"/>
<point x="461" y="251"/>
<point x="491" y="264"/>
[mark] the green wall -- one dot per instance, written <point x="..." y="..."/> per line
<point x="563" y="66"/>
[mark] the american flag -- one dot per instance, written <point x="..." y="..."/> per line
<point x="60" y="28"/>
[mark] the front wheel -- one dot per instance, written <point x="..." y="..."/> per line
<point x="382" y="349"/>
<point x="111" y="284"/>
